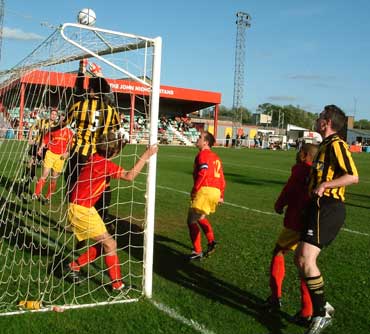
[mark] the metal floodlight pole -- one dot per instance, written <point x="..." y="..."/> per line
<point x="242" y="22"/>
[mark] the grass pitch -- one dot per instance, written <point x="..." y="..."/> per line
<point x="221" y="294"/>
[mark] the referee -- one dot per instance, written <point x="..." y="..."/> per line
<point x="333" y="169"/>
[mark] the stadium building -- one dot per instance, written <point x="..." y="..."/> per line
<point x="55" y="90"/>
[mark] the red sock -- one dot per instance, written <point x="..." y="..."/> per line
<point x="113" y="265"/>
<point x="39" y="185"/>
<point x="207" y="229"/>
<point x="195" y="237"/>
<point x="277" y="273"/>
<point x="306" y="303"/>
<point x="90" y="255"/>
<point x="52" y="187"/>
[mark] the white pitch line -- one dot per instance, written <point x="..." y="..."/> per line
<point x="175" y="315"/>
<point x="254" y="210"/>
<point x="355" y="232"/>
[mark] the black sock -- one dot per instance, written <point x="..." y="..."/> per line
<point x="316" y="288"/>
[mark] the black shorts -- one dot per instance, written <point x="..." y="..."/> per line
<point x="33" y="152"/>
<point x="323" y="219"/>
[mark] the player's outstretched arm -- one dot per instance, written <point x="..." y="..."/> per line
<point x="131" y="174"/>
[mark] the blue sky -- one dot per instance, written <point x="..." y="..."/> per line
<point x="306" y="53"/>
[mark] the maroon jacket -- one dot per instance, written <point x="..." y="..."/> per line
<point x="295" y="196"/>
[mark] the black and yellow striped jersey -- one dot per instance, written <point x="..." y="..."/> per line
<point x="92" y="117"/>
<point x="332" y="161"/>
<point x="39" y="129"/>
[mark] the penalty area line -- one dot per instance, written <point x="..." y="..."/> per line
<point x="175" y="315"/>
<point x="254" y="210"/>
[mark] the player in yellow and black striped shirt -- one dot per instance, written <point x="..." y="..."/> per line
<point x="333" y="169"/>
<point x="92" y="114"/>
<point x="35" y="138"/>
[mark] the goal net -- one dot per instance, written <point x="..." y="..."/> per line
<point x="36" y="239"/>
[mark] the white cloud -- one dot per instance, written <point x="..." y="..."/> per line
<point x="18" y="34"/>
<point x="282" y="98"/>
<point x="311" y="77"/>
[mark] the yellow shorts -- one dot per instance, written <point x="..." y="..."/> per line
<point x="54" y="161"/>
<point x="86" y="223"/>
<point x="206" y="200"/>
<point x="288" y="239"/>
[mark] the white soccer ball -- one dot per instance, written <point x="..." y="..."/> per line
<point x="86" y="16"/>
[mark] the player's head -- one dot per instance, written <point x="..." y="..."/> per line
<point x="205" y="140"/>
<point x="108" y="145"/>
<point x="53" y="115"/>
<point x="335" y="115"/>
<point x="98" y="85"/>
<point x="307" y="153"/>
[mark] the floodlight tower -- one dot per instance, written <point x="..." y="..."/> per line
<point x="242" y="22"/>
<point x="2" y="4"/>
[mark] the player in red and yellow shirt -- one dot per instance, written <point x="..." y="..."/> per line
<point x="58" y="143"/>
<point x="85" y="220"/>
<point x="207" y="193"/>
<point x="294" y="197"/>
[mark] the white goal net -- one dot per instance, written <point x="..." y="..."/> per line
<point x="36" y="240"/>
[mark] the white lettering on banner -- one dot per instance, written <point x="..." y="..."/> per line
<point x="126" y="87"/>
<point x="139" y="88"/>
<point x="142" y="89"/>
<point x="167" y="91"/>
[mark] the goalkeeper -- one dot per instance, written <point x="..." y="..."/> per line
<point x="85" y="221"/>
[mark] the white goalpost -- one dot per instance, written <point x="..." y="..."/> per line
<point x="36" y="240"/>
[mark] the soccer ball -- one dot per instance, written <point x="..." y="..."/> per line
<point x="86" y="16"/>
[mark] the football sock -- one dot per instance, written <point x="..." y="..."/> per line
<point x="207" y="229"/>
<point x="306" y="304"/>
<point x="52" y="187"/>
<point x="90" y="255"/>
<point x="113" y="265"/>
<point x="195" y="237"/>
<point x="33" y="170"/>
<point x="277" y="273"/>
<point x="26" y="172"/>
<point x="315" y="286"/>
<point x="39" y="185"/>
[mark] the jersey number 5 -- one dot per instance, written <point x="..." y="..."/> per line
<point x="95" y="121"/>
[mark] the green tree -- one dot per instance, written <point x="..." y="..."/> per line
<point x="235" y="115"/>
<point x="362" y="124"/>
<point x="289" y="114"/>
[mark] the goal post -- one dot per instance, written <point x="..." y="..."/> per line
<point x="36" y="238"/>
<point x="149" y="236"/>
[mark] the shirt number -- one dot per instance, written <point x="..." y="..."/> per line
<point x="217" y="168"/>
<point x="95" y="121"/>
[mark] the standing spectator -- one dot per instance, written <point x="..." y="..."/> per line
<point x="333" y="170"/>
<point x="85" y="221"/>
<point x="294" y="197"/>
<point x="227" y="140"/>
<point x="58" y="143"/>
<point x="207" y="193"/>
<point x="256" y="141"/>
